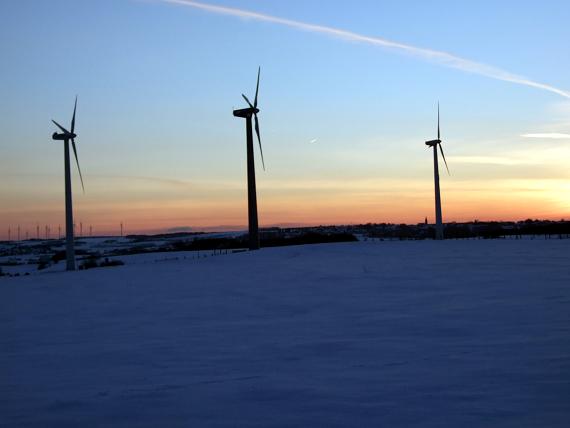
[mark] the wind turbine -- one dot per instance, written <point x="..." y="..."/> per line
<point x="247" y="114"/>
<point x="435" y="144"/>
<point x="67" y="136"/>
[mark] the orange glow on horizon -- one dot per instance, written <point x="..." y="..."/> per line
<point x="303" y="203"/>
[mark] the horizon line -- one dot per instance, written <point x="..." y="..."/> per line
<point x="243" y="229"/>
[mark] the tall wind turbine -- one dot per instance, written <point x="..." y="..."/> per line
<point x="435" y="144"/>
<point x="67" y="136"/>
<point x="247" y="114"/>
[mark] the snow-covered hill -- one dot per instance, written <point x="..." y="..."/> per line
<point x="368" y="334"/>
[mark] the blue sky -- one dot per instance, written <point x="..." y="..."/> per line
<point x="160" y="148"/>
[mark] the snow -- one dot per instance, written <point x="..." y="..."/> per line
<point x="395" y="334"/>
<point x="23" y="257"/>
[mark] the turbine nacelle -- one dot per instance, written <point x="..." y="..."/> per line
<point x="246" y="112"/>
<point x="63" y="137"/>
<point x="433" y="143"/>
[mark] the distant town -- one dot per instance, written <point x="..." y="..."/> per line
<point x="453" y="230"/>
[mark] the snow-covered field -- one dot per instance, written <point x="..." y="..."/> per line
<point x="368" y="334"/>
<point x="23" y="257"/>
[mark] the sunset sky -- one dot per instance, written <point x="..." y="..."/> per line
<point x="348" y="96"/>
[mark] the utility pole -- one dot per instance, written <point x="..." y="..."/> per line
<point x="90" y="230"/>
<point x="18" y="233"/>
<point x="38" y="231"/>
<point x="121" y="229"/>
<point x="9" y="233"/>
<point x="80" y="229"/>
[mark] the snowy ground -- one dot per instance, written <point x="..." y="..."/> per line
<point x="391" y="334"/>
<point x="23" y="257"/>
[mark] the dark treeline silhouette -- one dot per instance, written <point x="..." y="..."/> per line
<point x="268" y="239"/>
<point x="92" y="262"/>
<point x="143" y="238"/>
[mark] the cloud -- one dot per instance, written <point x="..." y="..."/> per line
<point x="438" y="57"/>
<point x="487" y="160"/>
<point x="549" y="135"/>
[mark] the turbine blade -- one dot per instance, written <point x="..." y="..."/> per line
<point x="259" y="139"/>
<point x="77" y="160"/>
<point x="441" y="150"/>
<point x="247" y="100"/>
<point x="60" y="127"/>
<point x="257" y="87"/>
<point x="73" y="118"/>
<point x="438" y="134"/>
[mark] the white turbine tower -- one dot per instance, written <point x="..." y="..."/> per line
<point x="435" y="144"/>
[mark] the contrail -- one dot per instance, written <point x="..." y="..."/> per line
<point x="438" y="57"/>
<point x="552" y="135"/>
